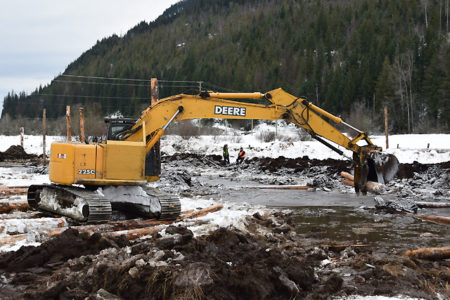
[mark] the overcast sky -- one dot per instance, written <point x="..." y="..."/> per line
<point x="38" y="39"/>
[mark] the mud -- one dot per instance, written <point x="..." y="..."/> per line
<point x="303" y="253"/>
<point x="272" y="261"/>
<point x="15" y="153"/>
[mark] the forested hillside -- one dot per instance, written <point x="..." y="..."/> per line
<point x="351" y="57"/>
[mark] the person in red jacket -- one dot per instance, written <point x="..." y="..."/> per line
<point x="241" y="156"/>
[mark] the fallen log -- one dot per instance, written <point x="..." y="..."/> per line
<point x="133" y="234"/>
<point x="6" y="207"/>
<point x="434" y="219"/>
<point x="347" y="176"/>
<point x="348" y="182"/>
<point x="126" y="225"/>
<point x="374" y="187"/>
<point x="8" y="239"/>
<point x="18" y="226"/>
<point x="432" y="205"/>
<point x="202" y="212"/>
<point x="10" y="190"/>
<point x="429" y="253"/>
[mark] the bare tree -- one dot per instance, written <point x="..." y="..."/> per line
<point x="402" y="71"/>
<point x="425" y="5"/>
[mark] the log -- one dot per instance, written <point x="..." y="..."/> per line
<point x="347" y="176"/>
<point x="348" y="182"/>
<point x="429" y="253"/>
<point x="126" y="225"/>
<point x="8" y="239"/>
<point x="7" y="207"/>
<point x="18" y="226"/>
<point x="133" y="234"/>
<point x="374" y="187"/>
<point x="8" y="190"/>
<point x="434" y="219"/>
<point x="202" y="212"/>
<point x="432" y="205"/>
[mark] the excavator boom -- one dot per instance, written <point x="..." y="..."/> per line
<point x="368" y="159"/>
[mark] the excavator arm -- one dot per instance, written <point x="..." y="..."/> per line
<point x="282" y="105"/>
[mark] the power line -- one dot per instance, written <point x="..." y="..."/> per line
<point x="129" y="79"/>
<point x="94" y="97"/>
<point x="100" y="83"/>
<point x="106" y="78"/>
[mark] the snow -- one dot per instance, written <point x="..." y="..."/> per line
<point x="423" y="148"/>
<point x="288" y="144"/>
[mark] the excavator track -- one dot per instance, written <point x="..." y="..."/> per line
<point x="85" y="206"/>
<point x="78" y="204"/>
<point x="170" y="205"/>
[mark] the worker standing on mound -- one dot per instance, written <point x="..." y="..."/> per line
<point x="241" y="156"/>
<point x="226" y="155"/>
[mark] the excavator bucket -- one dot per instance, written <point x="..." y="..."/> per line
<point x="382" y="167"/>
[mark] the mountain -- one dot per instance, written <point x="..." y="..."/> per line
<point x="350" y="57"/>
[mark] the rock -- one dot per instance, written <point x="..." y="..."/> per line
<point x="398" y="205"/>
<point x="195" y="274"/>
<point x="286" y="282"/>
<point x="133" y="272"/>
<point x="105" y="295"/>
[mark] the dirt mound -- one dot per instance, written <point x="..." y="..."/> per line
<point x="56" y="251"/>
<point x="16" y="153"/>
<point x="409" y="170"/>
<point x="226" y="264"/>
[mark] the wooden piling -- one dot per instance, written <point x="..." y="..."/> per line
<point x="21" y="136"/>
<point x="82" y="136"/>
<point x="154" y="90"/>
<point x="69" y="134"/>
<point x="386" y="126"/>
<point x="44" y="127"/>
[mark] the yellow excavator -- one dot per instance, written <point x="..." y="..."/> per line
<point x="90" y="180"/>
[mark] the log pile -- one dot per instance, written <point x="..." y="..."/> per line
<point x="132" y="229"/>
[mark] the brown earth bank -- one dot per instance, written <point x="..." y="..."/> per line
<point x="16" y="153"/>
<point x="268" y="262"/>
<point x="300" y="164"/>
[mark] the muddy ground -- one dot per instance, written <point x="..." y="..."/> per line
<point x="307" y="252"/>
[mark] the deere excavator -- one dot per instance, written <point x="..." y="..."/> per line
<point x="90" y="180"/>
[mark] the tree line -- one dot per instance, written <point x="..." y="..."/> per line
<point x="350" y="57"/>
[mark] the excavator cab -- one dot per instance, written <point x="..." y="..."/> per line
<point x="118" y="127"/>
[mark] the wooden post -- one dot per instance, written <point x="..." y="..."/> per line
<point x="69" y="135"/>
<point x="21" y="136"/>
<point x="386" y="126"/>
<point x="154" y="90"/>
<point x="82" y="137"/>
<point x="44" y="125"/>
